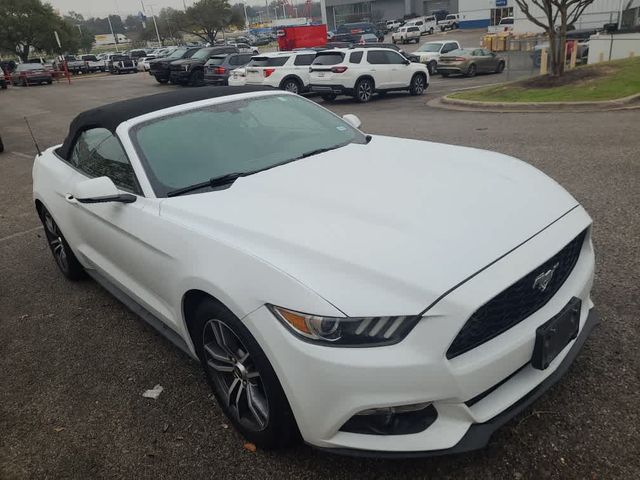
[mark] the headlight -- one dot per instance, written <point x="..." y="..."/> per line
<point x="346" y="331"/>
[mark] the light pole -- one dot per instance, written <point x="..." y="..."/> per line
<point x="115" y="39"/>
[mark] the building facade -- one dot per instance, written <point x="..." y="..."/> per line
<point x="474" y="13"/>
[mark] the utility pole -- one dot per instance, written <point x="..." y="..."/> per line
<point x="246" y="18"/>
<point x="115" y="39"/>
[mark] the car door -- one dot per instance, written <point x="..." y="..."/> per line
<point x="125" y="243"/>
<point x="482" y="60"/>
<point x="379" y="68"/>
<point x="301" y="65"/>
<point x="492" y="60"/>
<point x="400" y="72"/>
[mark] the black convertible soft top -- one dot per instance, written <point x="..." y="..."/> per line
<point x="112" y="115"/>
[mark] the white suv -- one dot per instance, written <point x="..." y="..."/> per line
<point x="451" y="22"/>
<point x="406" y="34"/>
<point x="285" y="70"/>
<point x="360" y="72"/>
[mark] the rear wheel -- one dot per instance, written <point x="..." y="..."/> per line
<point x="431" y="31"/>
<point x="242" y="378"/>
<point x="24" y="82"/>
<point x="418" y="84"/>
<point x="472" y="70"/>
<point x="364" y="90"/>
<point x="291" y="85"/>
<point x="62" y="254"/>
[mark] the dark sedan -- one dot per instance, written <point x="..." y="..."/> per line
<point x="217" y="69"/>
<point x="27" y="74"/>
<point x="469" y="61"/>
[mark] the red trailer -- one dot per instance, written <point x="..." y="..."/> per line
<point x="304" y="36"/>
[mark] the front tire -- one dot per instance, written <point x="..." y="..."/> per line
<point x="500" y="67"/>
<point x="242" y="378"/>
<point x="431" y="66"/>
<point x="418" y="84"/>
<point x="161" y="80"/>
<point x="196" y="79"/>
<point x="364" y="90"/>
<point x="62" y="253"/>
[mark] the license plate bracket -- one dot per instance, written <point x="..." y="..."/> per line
<point x="555" y="334"/>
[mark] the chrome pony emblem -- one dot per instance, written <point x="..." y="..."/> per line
<point x="543" y="280"/>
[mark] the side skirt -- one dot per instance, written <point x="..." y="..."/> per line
<point x="142" y="312"/>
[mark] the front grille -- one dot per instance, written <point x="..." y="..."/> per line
<point x="517" y="302"/>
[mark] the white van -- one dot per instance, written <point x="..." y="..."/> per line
<point x="425" y="24"/>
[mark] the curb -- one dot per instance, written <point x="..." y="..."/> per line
<point x="625" y="103"/>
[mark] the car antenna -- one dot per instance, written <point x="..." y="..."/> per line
<point x="35" y="142"/>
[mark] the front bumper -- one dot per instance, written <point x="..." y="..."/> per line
<point x="212" y="79"/>
<point x="179" y="76"/>
<point x="160" y="74"/>
<point x="474" y="393"/>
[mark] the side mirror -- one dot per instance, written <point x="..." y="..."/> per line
<point x="406" y="62"/>
<point x="100" y="190"/>
<point x="352" y="120"/>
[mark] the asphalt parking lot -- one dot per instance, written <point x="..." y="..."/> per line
<point x="74" y="362"/>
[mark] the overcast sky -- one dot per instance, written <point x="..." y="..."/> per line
<point x="100" y="8"/>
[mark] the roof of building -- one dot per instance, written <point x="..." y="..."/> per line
<point x="112" y="115"/>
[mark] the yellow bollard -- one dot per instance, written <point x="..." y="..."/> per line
<point x="543" y="61"/>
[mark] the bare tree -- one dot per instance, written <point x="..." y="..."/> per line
<point x="556" y="18"/>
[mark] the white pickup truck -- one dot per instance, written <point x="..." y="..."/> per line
<point x="450" y="22"/>
<point x="93" y="64"/>
<point x="504" y="25"/>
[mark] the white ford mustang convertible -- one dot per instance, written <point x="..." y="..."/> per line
<point x="367" y="294"/>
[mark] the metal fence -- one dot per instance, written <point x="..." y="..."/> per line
<point x="522" y="54"/>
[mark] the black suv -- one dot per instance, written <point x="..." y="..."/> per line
<point x="190" y="71"/>
<point x="159" y="68"/>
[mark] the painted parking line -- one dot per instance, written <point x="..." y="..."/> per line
<point x="20" y="234"/>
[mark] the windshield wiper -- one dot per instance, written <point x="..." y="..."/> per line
<point x="320" y="150"/>
<point x="226" y="179"/>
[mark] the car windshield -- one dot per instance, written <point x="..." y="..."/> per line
<point x="240" y="136"/>
<point x="430" y="47"/>
<point x="450" y="17"/>
<point x="178" y="53"/>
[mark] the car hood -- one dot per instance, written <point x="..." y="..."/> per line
<point x="383" y="228"/>
<point x="186" y="61"/>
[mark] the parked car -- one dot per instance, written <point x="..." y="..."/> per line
<point x="393" y="25"/>
<point x="74" y="64"/>
<point x="237" y="77"/>
<point x="366" y="38"/>
<point x="364" y="293"/>
<point x="504" y="25"/>
<point x="190" y="71"/>
<point x="406" y="34"/>
<point x="430" y="52"/>
<point x="359" y="28"/>
<point x="118" y="64"/>
<point x="285" y="70"/>
<point x="427" y="25"/>
<point x="3" y="81"/>
<point x="392" y="46"/>
<point x="361" y="72"/>
<point x="135" y="55"/>
<point x="27" y="74"/>
<point x="261" y="40"/>
<point x="450" y="22"/>
<point x="244" y="47"/>
<point x="159" y="68"/>
<point x="469" y="62"/>
<point x="93" y="63"/>
<point x="143" y="63"/>
<point x="218" y="68"/>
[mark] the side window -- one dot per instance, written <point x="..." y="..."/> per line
<point x="355" y="57"/>
<point x="244" y="59"/>
<point x="304" y="60"/>
<point x="98" y="153"/>
<point x="394" y="58"/>
<point x="377" y="57"/>
<point x="448" y="47"/>
<point x="235" y="60"/>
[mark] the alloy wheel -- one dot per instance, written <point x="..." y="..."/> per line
<point x="291" y="86"/>
<point x="364" y="91"/>
<point x="418" y="85"/>
<point x="234" y="373"/>
<point x="54" y="237"/>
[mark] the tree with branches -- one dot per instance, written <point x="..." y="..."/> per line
<point x="556" y="17"/>
<point x="205" y="18"/>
